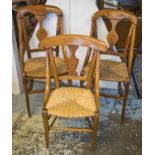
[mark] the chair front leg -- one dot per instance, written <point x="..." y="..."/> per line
<point x="94" y="133"/>
<point x="46" y="127"/>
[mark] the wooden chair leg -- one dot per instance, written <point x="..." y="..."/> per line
<point x="94" y="133"/>
<point x="46" y="129"/>
<point x="70" y="83"/>
<point x="120" y="89"/>
<point x="93" y="84"/>
<point x="31" y="84"/>
<point x="26" y="96"/>
<point x="124" y="103"/>
<point x="81" y="84"/>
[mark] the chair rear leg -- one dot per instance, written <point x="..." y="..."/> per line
<point x="46" y="129"/>
<point x="31" y="84"/>
<point x="120" y="91"/>
<point x="81" y="84"/>
<point x="124" y="102"/>
<point x="93" y="84"/>
<point x="94" y="133"/>
<point x="70" y="83"/>
<point x="26" y="96"/>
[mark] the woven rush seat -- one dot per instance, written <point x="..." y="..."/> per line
<point x="111" y="70"/>
<point x="71" y="102"/>
<point x="35" y="67"/>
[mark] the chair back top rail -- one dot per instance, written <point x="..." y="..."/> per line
<point x="74" y="40"/>
<point x="115" y="15"/>
<point x="40" y="10"/>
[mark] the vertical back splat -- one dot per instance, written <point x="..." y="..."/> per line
<point x="112" y="36"/>
<point x="73" y="60"/>
<point x="41" y="33"/>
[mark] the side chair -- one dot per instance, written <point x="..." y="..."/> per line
<point x="33" y="67"/>
<point x="124" y="26"/>
<point x="66" y="101"/>
<point x="111" y="70"/>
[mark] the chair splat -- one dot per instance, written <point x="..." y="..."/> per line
<point x="41" y="33"/>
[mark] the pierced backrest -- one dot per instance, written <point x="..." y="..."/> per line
<point x="114" y="17"/>
<point x="40" y="12"/>
<point x="73" y="42"/>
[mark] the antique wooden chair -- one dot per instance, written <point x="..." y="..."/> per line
<point x="111" y="70"/>
<point x="124" y="26"/>
<point x="72" y="102"/>
<point x="34" y="67"/>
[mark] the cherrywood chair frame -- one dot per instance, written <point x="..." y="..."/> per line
<point x="73" y="42"/>
<point x="40" y="12"/>
<point x="112" y="37"/>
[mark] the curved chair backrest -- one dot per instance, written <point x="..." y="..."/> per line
<point x="73" y="42"/>
<point x="40" y="12"/>
<point x="114" y="17"/>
